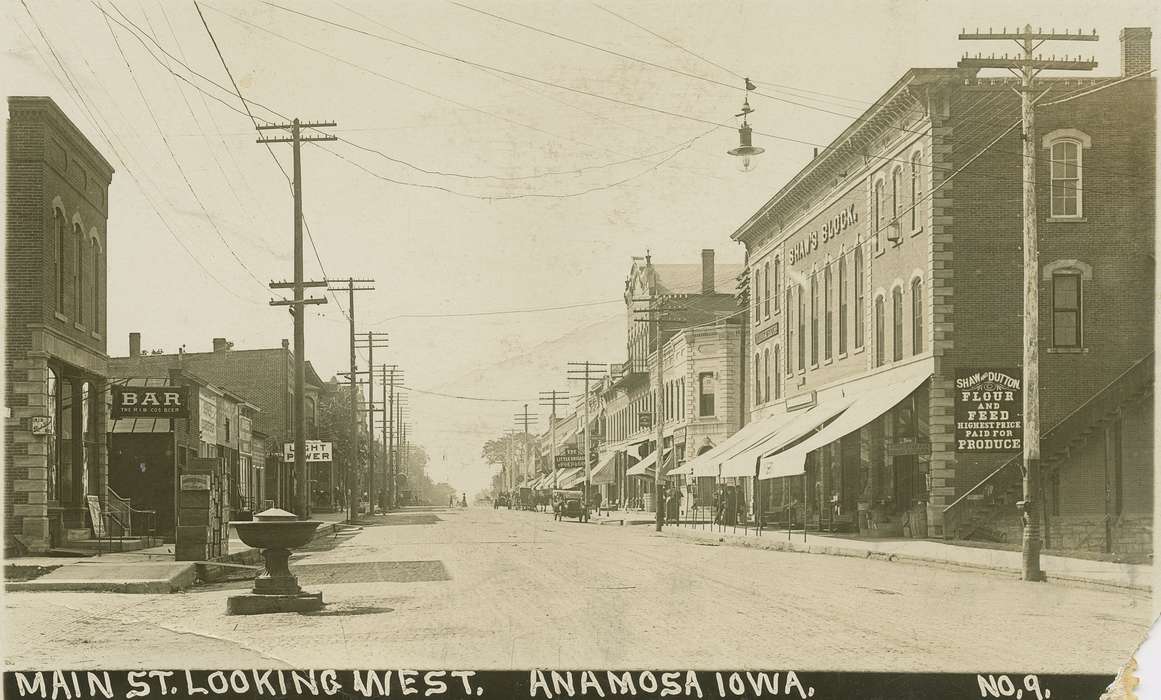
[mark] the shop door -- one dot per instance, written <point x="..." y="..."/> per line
<point x="906" y="482"/>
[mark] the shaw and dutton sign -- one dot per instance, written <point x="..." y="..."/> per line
<point x="149" y="402"/>
<point x="989" y="410"/>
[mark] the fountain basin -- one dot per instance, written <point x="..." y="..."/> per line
<point x="275" y="532"/>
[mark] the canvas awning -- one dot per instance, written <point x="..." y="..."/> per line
<point x="568" y="478"/>
<point x="866" y="407"/>
<point x="604" y="472"/>
<point x="743" y="461"/>
<point x="645" y="466"/>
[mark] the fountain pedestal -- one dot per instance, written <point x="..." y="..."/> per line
<point x="276" y="532"/>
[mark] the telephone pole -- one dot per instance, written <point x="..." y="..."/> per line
<point x="526" y="419"/>
<point x="587" y="371"/>
<point x="554" y="399"/>
<point x="299" y="302"/>
<point x="1027" y="66"/>
<point x="374" y="339"/>
<point x="352" y="285"/>
<point x="387" y="376"/>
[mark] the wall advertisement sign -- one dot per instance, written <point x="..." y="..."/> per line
<point x="316" y="451"/>
<point x="208" y="416"/>
<point x="989" y="410"/>
<point x="569" y="458"/>
<point x="148" y="402"/>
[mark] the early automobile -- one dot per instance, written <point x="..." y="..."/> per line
<point x="569" y="504"/>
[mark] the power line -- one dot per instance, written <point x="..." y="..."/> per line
<point x="90" y="111"/>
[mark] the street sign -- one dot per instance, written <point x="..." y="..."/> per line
<point x="644" y="420"/>
<point x="989" y="410"/>
<point x="41" y="425"/>
<point x="149" y="402"/>
<point x="316" y="451"/>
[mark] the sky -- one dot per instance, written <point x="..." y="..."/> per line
<point x="482" y="167"/>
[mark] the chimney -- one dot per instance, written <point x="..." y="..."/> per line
<point x="1135" y="50"/>
<point x="707" y="271"/>
<point x="134" y="344"/>
<point x="221" y="345"/>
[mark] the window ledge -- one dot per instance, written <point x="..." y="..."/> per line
<point x="1067" y="220"/>
<point x="96" y="335"/>
<point x="842" y="356"/>
<point x="60" y="317"/>
<point x="856" y="351"/>
<point x="827" y="361"/>
<point x="878" y="252"/>
<point x="80" y="327"/>
<point x="1067" y="351"/>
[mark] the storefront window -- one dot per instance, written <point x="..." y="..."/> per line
<point x="88" y="443"/>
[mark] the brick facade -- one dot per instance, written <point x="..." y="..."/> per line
<point x="962" y="246"/>
<point x="56" y="252"/>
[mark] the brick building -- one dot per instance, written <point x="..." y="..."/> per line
<point x="54" y="335"/>
<point x="889" y="267"/>
<point x="263" y="377"/>
<point x="701" y="402"/>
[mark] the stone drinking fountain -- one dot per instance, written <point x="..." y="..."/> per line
<point x="275" y="532"/>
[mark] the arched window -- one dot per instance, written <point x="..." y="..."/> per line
<point x="766" y="396"/>
<point x="757" y="379"/>
<point x="789" y="334"/>
<point x="79" y="273"/>
<point x="879" y="332"/>
<point x="61" y="243"/>
<point x="916" y="316"/>
<point x="777" y="281"/>
<point x="859" y="297"/>
<point x="897" y="324"/>
<point x="916" y="162"/>
<point x="896" y="191"/>
<point x="842" y="304"/>
<point x="828" y="311"/>
<point x="95" y="285"/>
<point x="801" y="328"/>
<point x="877" y="202"/>
<point x="814" y="319"/>
<point x="757" y="295"/>
<point x="766" y="289"/>
<point x="777" y="374"/>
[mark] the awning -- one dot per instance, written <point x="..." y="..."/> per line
<point x="868" y="406"/>
<point x="604" y="472"/>
<point x="645" y="466"/>
<point x="744" y="460"/>
<point x="570" y="477"/>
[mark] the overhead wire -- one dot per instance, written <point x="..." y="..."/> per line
<point x="90" y="111"/>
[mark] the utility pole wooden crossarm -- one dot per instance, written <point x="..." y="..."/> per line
<point x="588" y="371"/>
<point x="302" y="487"/>
<point x="374" y="339"/>
<point x="1027" y="66"/>
<point x="352" y="285"/>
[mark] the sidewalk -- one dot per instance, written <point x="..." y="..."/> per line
<point x="1127" y="576"/>
<point x="150" y="570"/>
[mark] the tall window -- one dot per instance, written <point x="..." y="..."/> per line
<point x="1065" y="170"/>
<point x="61" y="242"/>
<point x="705" y="387"/>
<point x="777" y="374"/>
<point x="757" y="295"/>
<point x="789" y="334"/>
<point x="757" y="379"/>
<point x="801" y="328"/>
<point x="766" y="288"/>
<point x="877" y="202"/>
<point x="681" y="398"/>
<point x="915" y="189"/>
<point x="814" y="319"/>
<point x="1066" y="310"/>
<point x="897" y="324"/>
<point x="916" y="316"/>
<point x="766" y="376"/>
<point x="842" y="304"/>
<point x="879" y="354"/>
<point x="78" y="272"/>
<point x="896" y="191"/>
<point x="859" y="297"/>
<point x="777" y="281"/>
<point x="95" y="283"/>
<point x="828" y="312"/>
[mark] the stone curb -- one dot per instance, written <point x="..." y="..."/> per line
<point x="838" y="550"/>
<point x="183" y="577"/>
